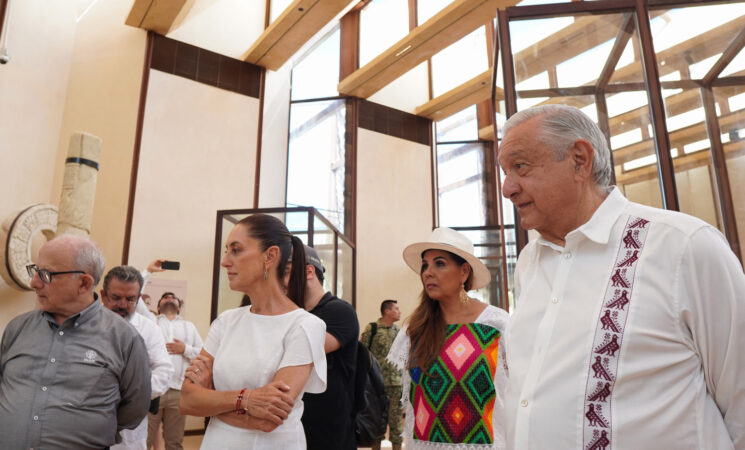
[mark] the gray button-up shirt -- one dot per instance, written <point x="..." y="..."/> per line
<point x="71" y="386"/>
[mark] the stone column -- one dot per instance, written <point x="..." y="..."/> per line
<point x="79" y="184"/>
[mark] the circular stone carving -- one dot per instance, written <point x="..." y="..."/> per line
<point x="17" y="234"/>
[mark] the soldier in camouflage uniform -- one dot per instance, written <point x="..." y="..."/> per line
<point x="379" y="341"/>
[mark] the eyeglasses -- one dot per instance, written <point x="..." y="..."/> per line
<point x="46" y="276"/>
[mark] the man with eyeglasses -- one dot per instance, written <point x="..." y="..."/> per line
<point x="120" y="293"/>
<point x="72" y="374"/>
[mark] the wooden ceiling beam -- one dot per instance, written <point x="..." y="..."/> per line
<point x="445" y="28"/>
<point x="681" y="163"/>
<point x="472" y="91"/>
<point x="159" y="16"/>
<point x="679" y="138"/>
<point x="299" y="22"/>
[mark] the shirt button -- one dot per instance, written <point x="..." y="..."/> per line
<point x="36" y="417"/>
<point x="524" y="403"/>
<point x="53" y="360"/>
<point x="44" y="388"/>
<point x="567" y="255"/>
<point x="61" y="333"/>
<point x="554" y="300"/>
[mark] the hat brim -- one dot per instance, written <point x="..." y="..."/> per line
<point x="413" y="258"/>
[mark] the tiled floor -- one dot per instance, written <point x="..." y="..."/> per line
<point x="193" y="443"/>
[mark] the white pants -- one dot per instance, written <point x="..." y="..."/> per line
<point x="133" y="439"/>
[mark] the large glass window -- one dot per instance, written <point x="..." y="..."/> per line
<point x="382" y="24"/>
<point x="317" y="146"/>
<point x="459" y="62"/>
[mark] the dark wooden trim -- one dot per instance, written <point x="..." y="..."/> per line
<point x="510" y="100"/>
<point x="413" y="14"/>
<point x="719" y="164"/>
<point x="349" y="39"/>
<point x="727" y="56"/>
<point x="137" y="144"/>
<point x="3" y="11"/>
<point x="259" y="136"/>
<point x="566" y="9"/>
<point x="393" y="122"/>
<point x="657" y="4"/>
<point x="204" y="66"/>
<point x="654" y="93"/>
<point x="434" y="177"/>
<point x="267" y="14"/>
<point x="350" y="170"/>
<point x="336" y="265"/>
<point x="216" y="264"/>
<point x="728" y="81"/>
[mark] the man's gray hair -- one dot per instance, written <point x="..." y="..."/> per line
<point x="560" y="127"/>
<point x="89" y="259"/>
<point x="125" y="274"/>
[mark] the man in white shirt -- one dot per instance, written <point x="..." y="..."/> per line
<point x="120" y="293"/>
<point x="183" y="344"/>
<point x="629" y="321"/>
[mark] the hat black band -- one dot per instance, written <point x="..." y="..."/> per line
<point x="87" y="162"/>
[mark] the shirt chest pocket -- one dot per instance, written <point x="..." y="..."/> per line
<point x="86" y="384"/>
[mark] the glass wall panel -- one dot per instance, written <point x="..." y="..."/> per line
<point x="316" y="75"/>
<point x="428" y="8"/>
<point x="459" y="62"/>
<point x="592" y="62"/>
<point x="487" y="247"/>
<point x="382" y="24"/>
<point x="730" y="102"/>
<point x="460" y="184"/>
<point x="315" y="170"/>
<point x="276" y="8"/>
<point x="345" y="271"/>
<point x="323" y="243"/>
<point x="461" y="126"/>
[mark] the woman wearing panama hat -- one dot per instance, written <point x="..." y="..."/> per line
<point x="451" y="351"/>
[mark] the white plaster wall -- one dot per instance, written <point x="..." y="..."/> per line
<point x="394" y="209"/>
<point x="198" y="155"/>
<point x="102" y="98"/>
<point x="32" y="90"/>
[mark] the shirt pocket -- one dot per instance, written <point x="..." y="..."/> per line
<point x="86" y="384"/>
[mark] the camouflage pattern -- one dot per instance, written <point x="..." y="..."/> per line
<point x="381" y="344"/>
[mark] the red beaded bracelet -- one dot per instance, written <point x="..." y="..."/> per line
<point x="238" y="408"/>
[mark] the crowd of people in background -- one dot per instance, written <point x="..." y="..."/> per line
<point x="627" y="333"/>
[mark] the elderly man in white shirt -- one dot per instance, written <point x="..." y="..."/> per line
<point x="183" y="344"/>
<point x="120" y="293"/>
<point x="629" y="321"/>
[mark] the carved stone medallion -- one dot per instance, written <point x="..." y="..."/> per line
<point x="17" y="234"/>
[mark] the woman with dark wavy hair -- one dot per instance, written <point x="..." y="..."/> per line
<point x="258" y="360"/>
<point x="451" y="351"/>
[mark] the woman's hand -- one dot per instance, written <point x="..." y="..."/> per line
<point x="247" y="421"/>
<point x="270" y="402"/>
<point x="200" y="372"/>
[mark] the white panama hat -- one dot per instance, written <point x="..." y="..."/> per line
<point x="451" y="241"/>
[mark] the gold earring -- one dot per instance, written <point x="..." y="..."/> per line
<point x="463" y="295"/>
<point x="266" y="272"/>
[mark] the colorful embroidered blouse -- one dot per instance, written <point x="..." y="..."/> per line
<point x="459" y="403"/>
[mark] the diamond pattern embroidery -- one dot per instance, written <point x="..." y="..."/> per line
<point x="453" y="402"/>
<point x="437" y="384"/>
<point x="423" y="415"/>
<point x="478" y="383"/>
<point x="460" y="350"/>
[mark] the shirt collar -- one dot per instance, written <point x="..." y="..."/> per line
<point x="600" y="225"/>
<point x="80" y="318"/>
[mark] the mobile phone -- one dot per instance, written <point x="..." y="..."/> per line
<point x="170" y="265"/>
